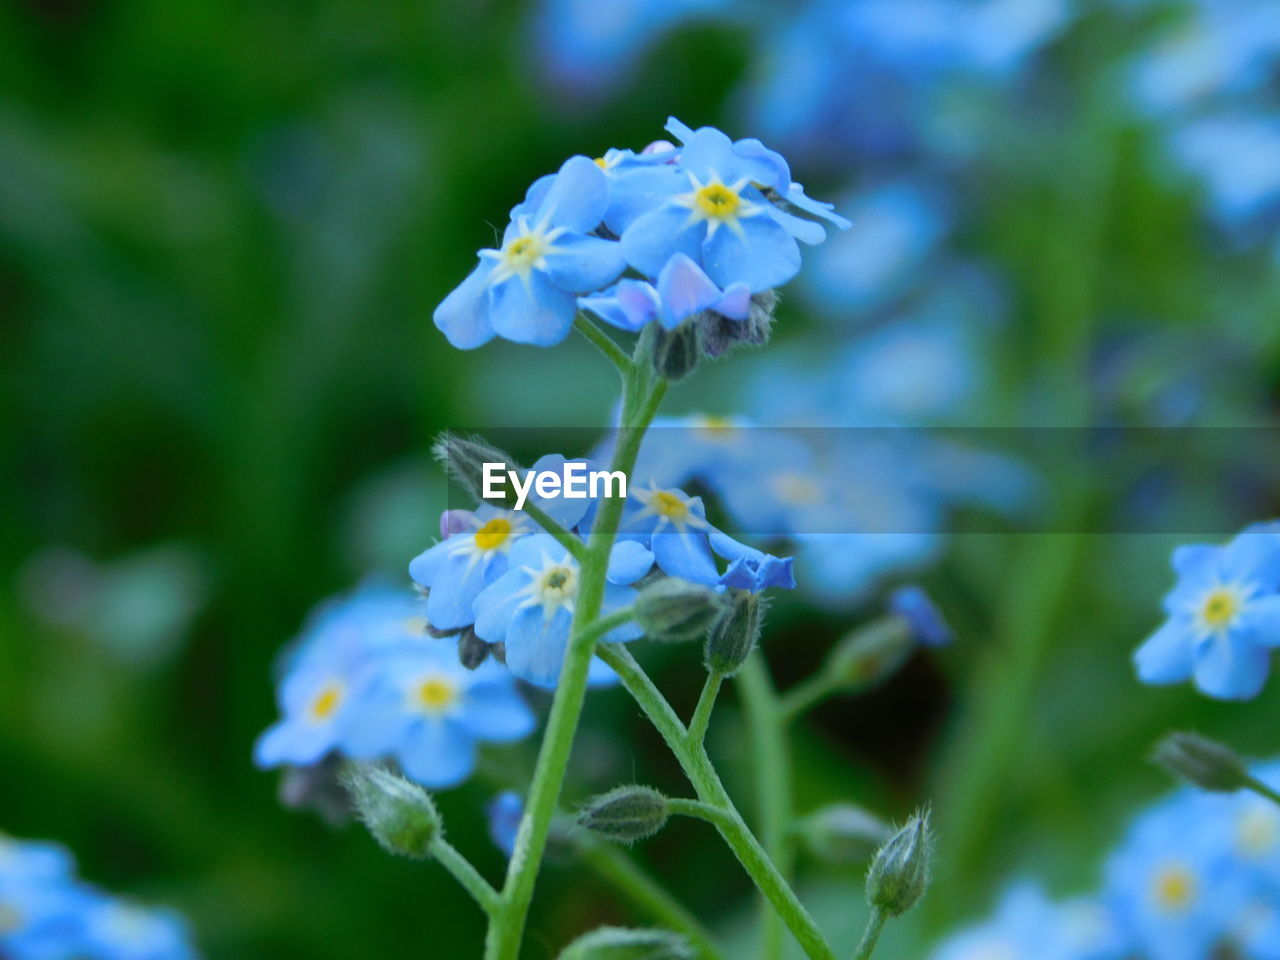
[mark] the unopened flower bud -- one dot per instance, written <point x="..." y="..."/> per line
<point x="870" y="654"/>
<point x="456" y="521"/>
<point x="674" y="609"/>
<point x="626" y="814"/>
<point x="620" y="943"/>
<point x="464" y="459"/>
<point x="472" y="651"/>
<point x="676" y="352"/>
<point x="401" y="815"/>
<point x="899" y="873"/>
<point x="1203" y="762"/>
<point x="843" y="834"/>
<point x="735" y="634"/>
<point x="720" y="334"/>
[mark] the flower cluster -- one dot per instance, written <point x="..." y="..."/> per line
<point x="366" y="682"/>
<point x="47" y="913"/>
<point x="496" y="576"/>
<point x="1197" y="875"/>
<point x="1223" y="617"/>
<point x="700" y="228"/>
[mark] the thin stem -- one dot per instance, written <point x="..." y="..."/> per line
<point x="640" y="399"/>
<point x="632" y="881"/>
<point x="577" y="549"/>
<point x="706" y="782"/>
<point x="806" y="695"/>
<point x="702" y="713"/>
<point x="612" y="621"/>
<point x="683" y="807"/>
<point x="603" y="342"/>
<point x="1262" y="790"/>
<point x="870" y="936"/>
<point x="448" y="857"/>
<point x="772" y="767"/>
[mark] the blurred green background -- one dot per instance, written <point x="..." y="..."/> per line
<point x="223" y="230"/>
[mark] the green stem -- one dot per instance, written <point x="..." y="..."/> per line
<point x="448" y="857"/>
<point x="870" y="936"/>
<point x="806" y="695"/>
<point x="702" y="713"/>
<point x="641" y="397"/>
<point x="706" y="782"/>
<point x="772" y="766"/>
<point x="577" y="549"/>
<point x="604" y="343"/>
<point x="621" y="871"/>
<point x="1262" y="790"/>
<point x="612" y="621"/>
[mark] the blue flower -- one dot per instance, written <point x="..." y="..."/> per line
<point x="1028" y="926"/>
<point x="674" y="526"/>
<point x="41" y="919"/>
<point x="505" y="812"/>
<point x="717" y="214"/>
<point x="475" y="550"/>
<point x="315" y="693"/>
<point x="682" y="290"/>
<point x="1167" y="884"/>
<point x="530" y="607"/>
<point x="116" y="930"/>
<point x="28" y="861"/>
<point x="527" y="290"/>
<point x="418" y="705"/>
<point x="925" y="619"/>
<point x="1223" y="617"/>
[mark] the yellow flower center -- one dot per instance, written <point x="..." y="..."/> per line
<point x="1220" y="607"/>
<point x="437" y="692"/>
<point x="602" y="163"/>
<point x="797" y="489"/>
<point x="493" y="534"/>
<point x="667" y="504"/>
<point x="10" y="919"/>
<point x="326" y="702"/>
<point x="717" y="429"/>
<point x="1175" y="888"/>
<point x="717" y="202"/>
<point x="1257" y="831"/>
<point x="558" y="583"/>
<point x="523" y="252"/>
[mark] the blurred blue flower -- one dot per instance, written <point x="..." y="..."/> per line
<point x="505" y="812"/>
<point x="682" y="290"/>
<point x="924" y="618"/>
<point x="418" y="705"/>
<point x="1028" y="926"/>
<point x="116" y="930"/>
<point x="527" y="290"/>
<point x="530" y="607"/>
<point x="1223" y="617"/>
<point x="1237" y="157"/>
<point x="716" y="213"/>
<point x="1166" y="884"/>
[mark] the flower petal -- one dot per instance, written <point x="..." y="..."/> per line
<point x="437" y="753"/>
<point x="1230" y="668"/>
<point x="536" y="312"/>
<point x="629" y="561"/>
<point x="463" y="316"/>
<point x="660" y="234"/>
<point x="536" y="646"/>
<point x="495" y="711"/>
<point x="578" y="198"/>
<point x="581" y="263"/>
<point x="684" y="290"/>
<point x="1261" y="620"/>
<point x="1165" y="656"/>
<point x="763" y="256"/>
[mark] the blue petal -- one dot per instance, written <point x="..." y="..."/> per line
<point x="566" y="511"/>
<point x="607" y="307"/>
<point x="537" y="312"/>
<point x="463" y="315"/>
<point x="680" y="131"/>
<point x="451" y="603"/>
<point x="1193" y="559"/>
<point x="685" y="555"/>
<point x="497" y="603"/>
<point x="638" y="188"/>
<point x="582" y="263"/>
<point x="533" y="199"/>
<point x="495" y="711"/>
<point x="795" y="196"/>
<point x="1260" y="619"/>
<point x="578" y="197"/>
<point x="684" y="290"/>
<point x="536" y="646"/>
<point x="1230" y="668"/>
<point x="293" y="742"/>
<point x="806" y="231"/>
<point x="616" y="598"/>
<point x="601" y="674"/>
<point x="437" y="753"/>
<point x="427" y="567"/>
<point x="763" y="257"/>
<point x="660" y="234"/>
<point x="768" y="167"/>
<point x="1165" y="656"/>
<point x="374" y="725"/>
<point x="736" y="302"/>
<point x="1251" y="557"/>
<point x="628" y="562"/>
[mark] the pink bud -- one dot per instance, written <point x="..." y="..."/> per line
<point x="455" y="521"/>
<point x="658" y="146"/>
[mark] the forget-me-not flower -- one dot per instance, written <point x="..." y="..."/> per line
<point x="527" y="289"/>
<point x="505" y="812"/>
<point x="682" y="290"/>
<point x="1223" y="617"/>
